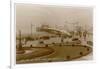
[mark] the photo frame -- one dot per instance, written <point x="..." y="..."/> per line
<point x="68" y="26"/>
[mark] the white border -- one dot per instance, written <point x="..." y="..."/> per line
<point x="44" y="2"/>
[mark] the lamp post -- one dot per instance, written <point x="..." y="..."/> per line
<point x="31" y="29"/>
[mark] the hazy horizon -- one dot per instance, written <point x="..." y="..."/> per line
<point x="27" y="14"/>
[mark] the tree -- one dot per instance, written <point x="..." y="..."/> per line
<point x="20" y="44"/>
<point x="79" y="31"/>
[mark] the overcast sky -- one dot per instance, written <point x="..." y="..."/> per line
<point x="52" y="15"/>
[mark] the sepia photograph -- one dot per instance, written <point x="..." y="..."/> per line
<point x="50" y="33"/>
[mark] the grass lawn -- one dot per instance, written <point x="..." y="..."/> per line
<point x="54" y="53"/>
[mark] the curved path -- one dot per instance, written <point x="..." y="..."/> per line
<point x="61" y="53"/>
<point x="34" y="52"/>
